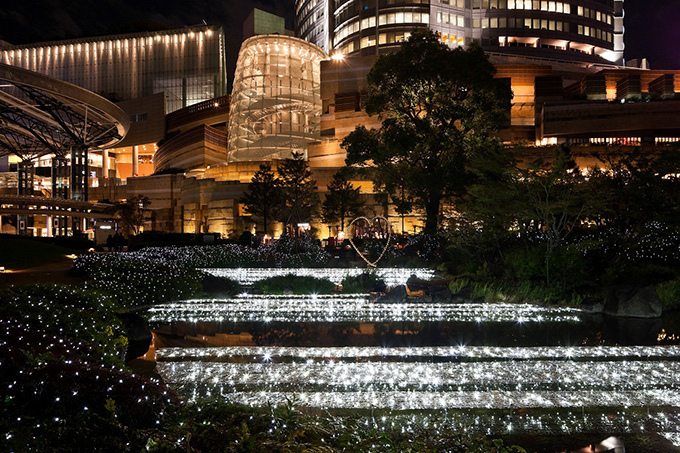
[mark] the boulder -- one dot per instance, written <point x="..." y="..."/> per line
<point x="592" y="305"/>
<point x="440" y="294"/>
<point x="138" y="333"/>
<point x="398" y="294"/>
<point x="632" y="301"/>
<point x="416" y="284"/>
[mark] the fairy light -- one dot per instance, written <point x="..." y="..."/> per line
<point x="391" y="276"/>
<point x="371" y="353"/>
<point x="344" y="308"/>
<point x="395" y="378"/>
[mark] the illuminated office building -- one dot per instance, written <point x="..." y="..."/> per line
<point x="576" y="30"/>
<point x="188" y="64"/>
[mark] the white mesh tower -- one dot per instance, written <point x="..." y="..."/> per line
<point x="275" y="103"/>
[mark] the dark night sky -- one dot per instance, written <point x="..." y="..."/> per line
<point x="651" y="25"/>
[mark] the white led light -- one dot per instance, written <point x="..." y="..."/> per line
<point x="349" y="308"/>
<point x="391" y="276"/>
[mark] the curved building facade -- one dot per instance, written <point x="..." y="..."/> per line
<point x="276" y="102"/>
<point x="188" y="65"/>
<point x="577" y="30"/>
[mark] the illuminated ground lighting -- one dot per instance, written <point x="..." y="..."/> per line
<point x="342" y="308"/>
<point x="674" y="438"/>
<point x="391" y="276"/>
<point x="245" y="353"/>
<point x="609" y="381"/>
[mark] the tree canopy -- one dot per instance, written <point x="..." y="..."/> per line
<point x="438" y="106"/>
<point x="299" y="197"/>
<point x="132" y="213"/>
<point x="342" y="200"/>
<point x="263" y="196"/>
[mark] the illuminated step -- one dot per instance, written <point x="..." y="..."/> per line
<point x="446" y="377"/>
<point x="391" y="276"/>
<point x="275" y="353"/>
<point x="349" y="308"/>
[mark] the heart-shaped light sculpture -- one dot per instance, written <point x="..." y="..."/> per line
<point x="371" y="228"/>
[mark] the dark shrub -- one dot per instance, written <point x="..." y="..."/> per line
<point x="296" y="284"/>
<point x="219" y="286"/>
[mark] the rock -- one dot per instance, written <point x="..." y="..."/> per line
<point x="465" y="293"/>
<point x="396" y="295"/>
<point x="138" y="333"/>
<point x="441" y="294"/>
<point x="631" y="331"/>
<point x="288" y="291"/>
<point x="592" y="305"/>
<point x="632" y="301"/>
<point x="416" y="284"/>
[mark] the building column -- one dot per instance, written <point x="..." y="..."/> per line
<point x="80" y="177"/>
<point x="25" y="187"/>
<point x="105" y="164"/>
<point x="135" y="160"/>
<point x="59" y="190"/>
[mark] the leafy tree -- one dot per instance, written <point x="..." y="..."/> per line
<point x="636" y="187"/>
<point x="132" y="212"/>
<point x="263" y="196"/>
<point x="342" y="200"/>
<point x="438" y="106"/>
<point x="486" y="214"/>
<point x="552" y="200"/>
<point x="300" y="198"/>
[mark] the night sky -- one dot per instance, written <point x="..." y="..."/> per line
<point x="651" y="25"/>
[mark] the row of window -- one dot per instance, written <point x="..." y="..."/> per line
<point x="595" y="33"/>
<point x="384" y="38"/>
<point x="306" y="7"/>
<point x="541" y="5"/>
<point x="453" y="19"/>
<point x="452" y="39"/>
<point x="383" y="19"/>
<point x="540" y="24"/>
<point x="594" y="14"/>
<point x="458" y="3"/>
<point x="369" y="41"/>
<point x="520" y="22"/>
<point x="536" y="5"/>
<point x="315" y="20"/>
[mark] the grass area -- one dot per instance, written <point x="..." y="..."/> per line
<point x="22" y="253"/>
<point x="295" y="284"/>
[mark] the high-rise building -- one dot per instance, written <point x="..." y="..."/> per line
<point x="575" y="30"/>
<point x="188" y="64"/>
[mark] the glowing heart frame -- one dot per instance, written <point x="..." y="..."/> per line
<point x="370" y="223"/>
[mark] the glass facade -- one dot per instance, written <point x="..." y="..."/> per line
<point x="276" y="102"/>
<point x="189" y="65"/>
<point x="583" y="30"/>
<point x="311" y="19"/>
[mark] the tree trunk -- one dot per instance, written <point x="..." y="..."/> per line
<point x="432" y="214"/>
<point x="264" y="221"/>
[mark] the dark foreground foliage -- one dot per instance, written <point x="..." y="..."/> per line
<point x="63" y="389"/>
